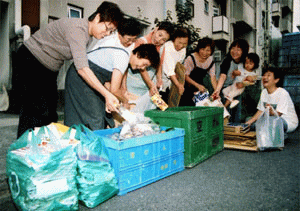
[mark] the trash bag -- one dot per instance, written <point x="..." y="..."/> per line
<point x="41" y="172"/>
<point x="96" y="178"/>
<point x="269" y="130"/>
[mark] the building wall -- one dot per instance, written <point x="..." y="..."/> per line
<point x="145" y="10"/>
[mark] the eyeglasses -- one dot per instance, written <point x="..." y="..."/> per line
<point x="130" y="39"/>
<point x="109" y="30"/>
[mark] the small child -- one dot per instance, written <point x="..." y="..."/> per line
<point x="247" y="77"/>
<point x="278" y="98"/>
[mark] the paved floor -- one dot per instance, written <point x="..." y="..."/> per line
<point x="231" y="180"/>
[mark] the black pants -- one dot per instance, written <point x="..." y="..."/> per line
<point x="37" y="88"/>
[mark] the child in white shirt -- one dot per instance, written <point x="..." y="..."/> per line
<point x="278" y="98"/>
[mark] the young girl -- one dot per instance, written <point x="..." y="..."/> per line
<point x="248" y="77"/>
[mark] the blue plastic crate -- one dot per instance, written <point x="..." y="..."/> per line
<point x="137" y="156"/>
<point x="141" y="175"/>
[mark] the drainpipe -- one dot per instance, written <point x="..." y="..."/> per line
<point x="24" y="30"/>
<point x="164" y="9"/>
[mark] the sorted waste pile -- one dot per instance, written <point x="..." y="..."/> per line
<point x="51" y="168"/>
<point x="136" y="125"/>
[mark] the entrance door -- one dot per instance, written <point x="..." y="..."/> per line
<point x="31" y="14"/>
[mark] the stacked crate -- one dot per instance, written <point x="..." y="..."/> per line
<point x="289" y="55"/>
<point x="291" y="83"/>
<point x="140" y="161"/>
<point x="203" y="130"/>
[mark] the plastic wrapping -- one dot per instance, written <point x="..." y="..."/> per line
<point x="203" y="99"/>
<point x="41" y="172"/>
<point x="96" y="178"/>
<point x="269" y="130"/>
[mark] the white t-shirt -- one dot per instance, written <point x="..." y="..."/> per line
<point x="244" y="74"/>
<point x="281" y="102"/>
<point x="171" y="57"/>
<point x="110" y="58"/>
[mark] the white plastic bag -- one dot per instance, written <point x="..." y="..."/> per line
<point x="204" y="100"/>
<point x="4" y="101"/>
<point x="269" y="130"/>
<point x="143" y="103"/>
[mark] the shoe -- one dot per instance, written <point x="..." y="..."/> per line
<point x="234" y="103"/>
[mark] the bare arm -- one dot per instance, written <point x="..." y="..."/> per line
<point x="200" y="87"/>
<point x="148" y="81"/>
<point x="179" y="86"/>
<point x="116" y="83"/>
<point x="214" y="82"/>
<point x="88" y="75"/>
<point x="255" y="117"/>
<point x="219" y="85"/>
<point x="159" y="81"/>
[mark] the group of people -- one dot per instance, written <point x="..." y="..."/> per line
<point x="121" y="68"/>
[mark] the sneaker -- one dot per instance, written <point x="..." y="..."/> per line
<point x="234" y="103"/>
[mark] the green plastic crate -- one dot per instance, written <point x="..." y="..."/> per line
<point x="203" y="130"/>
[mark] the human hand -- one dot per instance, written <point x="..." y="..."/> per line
<point x="126" y="105"/>
<point x="239" y="85"/>
<point x="153" y="90"/>
<point x="235" y="73"/>
<point x="159" y="83"/>
<point x="180" y="88"/>
<point x="201" y="88"/>
<point x="250" y="79"/>
<point x="216" y="94"/>
<point x="111" y="103"/>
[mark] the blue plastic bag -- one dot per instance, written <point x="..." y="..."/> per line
<point x="41" y="172"/>
<point x="95" y="177"/>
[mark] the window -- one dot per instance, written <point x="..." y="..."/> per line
<point x="206" y="6"/>
<point x="216" y="11"/>
<point x="75" y="11"/>
<point x="191" y="8"/>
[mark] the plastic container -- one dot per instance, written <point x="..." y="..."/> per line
<point x="203" y="130"/>
<point x="141" y="161"/>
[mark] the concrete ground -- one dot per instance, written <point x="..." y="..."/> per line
<point x="230" y="180"/>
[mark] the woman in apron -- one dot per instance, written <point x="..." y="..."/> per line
<point x="83" y="104"/>
<point x="198" y="66"/>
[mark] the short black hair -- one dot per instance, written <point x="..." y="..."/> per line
<point x="148" y="51"/>
<point x="181" y="32"/>
<point x="243" y="44"/>
<point x="254" y="58"/>
<point x="109" y="12"/>
<point x="278" y="73"/>
<point x="204" y="42"/>
<point x="167" y="26"/>
<point x="129" y="26"/>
